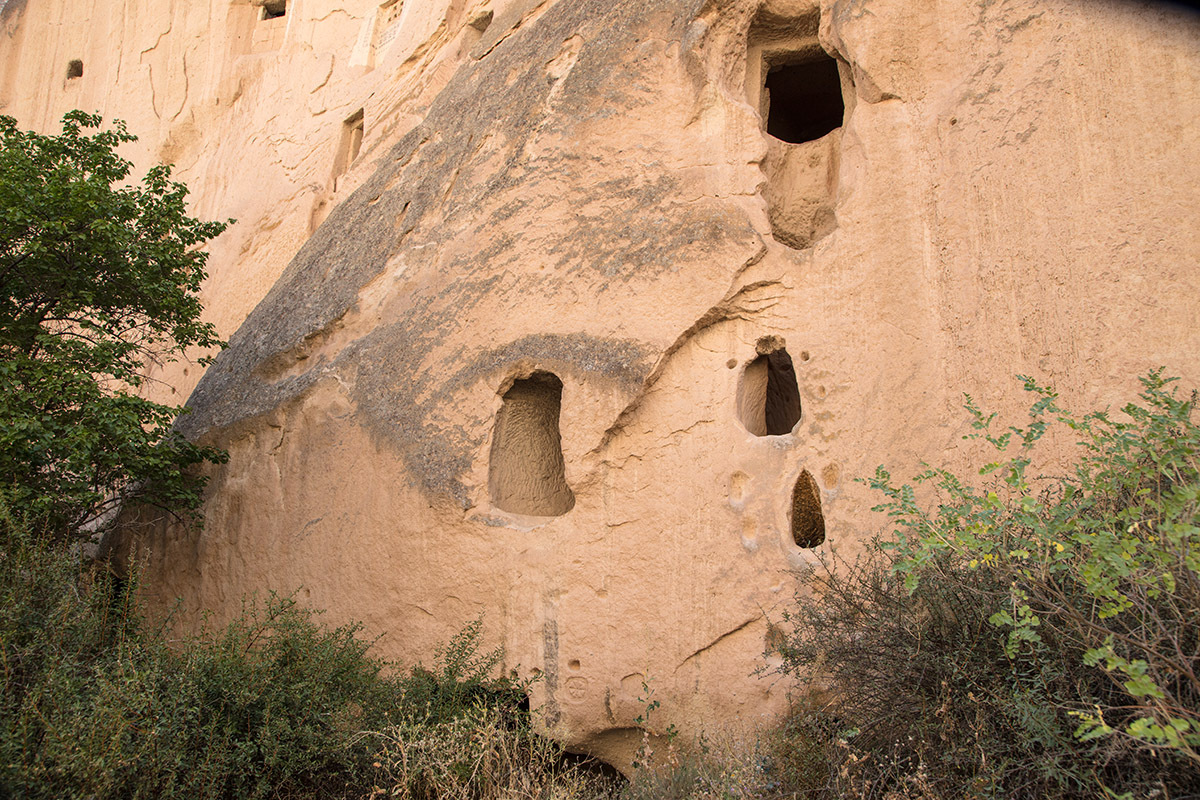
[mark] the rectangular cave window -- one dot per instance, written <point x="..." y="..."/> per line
<point x="526" y="471"/>
<point x="350" y="144"/>
<point x="273" y="9"/>
<point x="74" y="69"/>
<point x="803" y="100"/>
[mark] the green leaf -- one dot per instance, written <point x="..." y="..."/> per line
<point x="98" y="278"/>
<point x="1143" y="686"/>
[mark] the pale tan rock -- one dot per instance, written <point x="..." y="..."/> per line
<point x="584" y="189"/>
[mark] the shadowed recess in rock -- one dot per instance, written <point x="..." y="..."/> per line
<point x="350" y="145"/>
<point x="526" y="473"/>
<point x="805" y="100"/>
<point x="769" y="398"/>
<point x="273" y="9"/>
<point x="808" y="523"/>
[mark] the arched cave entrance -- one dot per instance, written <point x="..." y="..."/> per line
<point x="769" y="397"/>
<point x="526" y="472"/>
<point x="808" y="523"/>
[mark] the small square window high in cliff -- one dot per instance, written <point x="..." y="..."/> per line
<point x="803" y="99"/>
<point x="74" y="69"/>
<point x="273" y="9"/>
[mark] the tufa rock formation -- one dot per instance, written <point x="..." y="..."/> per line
<point x="594" y="310"/>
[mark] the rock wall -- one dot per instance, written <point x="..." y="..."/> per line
<point x="616" y="299"/>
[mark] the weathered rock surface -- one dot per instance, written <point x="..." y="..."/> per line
<point x="572" y="212"/>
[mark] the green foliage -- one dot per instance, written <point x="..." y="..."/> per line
<point x="643" y="759"/>
<point x="95" y="706"/>
<point x="1031" y="636"/>
<point x="462" y="681"/>
<point x="462" y="734"/>
<point x="274" y="705"/>
<point x="97" y="279"/>
<point x="1108" y="558"/>
<point x="926" y="703"/>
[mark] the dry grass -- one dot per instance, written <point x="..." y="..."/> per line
<point x="481" y="755"/>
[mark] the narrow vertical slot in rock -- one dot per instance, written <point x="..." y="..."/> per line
<point x="350" y="144"/>
<point x="526" y="472"/>
<point x="808" y="523"/>
<point x="769" y="396"/>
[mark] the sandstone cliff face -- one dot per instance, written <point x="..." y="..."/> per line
<point x="615" y="300"/>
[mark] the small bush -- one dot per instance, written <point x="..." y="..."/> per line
<point x="275" y="705"/>
<point x="463" y="734"/>
<point x="1034" y="637"/>
<point x="95" y="706"/>
<point x="922" y="699"/>
<point x="480" y="755"/>
<point x="462" y="681"/>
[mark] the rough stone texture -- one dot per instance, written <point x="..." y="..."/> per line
<point x="526" y="473"/>
<point x="584" y="188"/>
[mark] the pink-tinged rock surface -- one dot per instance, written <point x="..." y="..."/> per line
<point x="587" y="315"/>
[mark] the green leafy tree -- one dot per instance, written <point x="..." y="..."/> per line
<point x="99" y="277"/>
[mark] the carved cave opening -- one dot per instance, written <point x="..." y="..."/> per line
<point x="74" y="69"/>
<point x="808" y="523"/>
<point x="804" y="99"/>
<point x="769" y="397"/>
<point x="798" y="89"/>
<point x="526" y="471"/>
<point x="350" y="144"/>
<point x="273" y="9"/>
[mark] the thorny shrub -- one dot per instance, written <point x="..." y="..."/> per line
<point x="1028" y="637"/>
